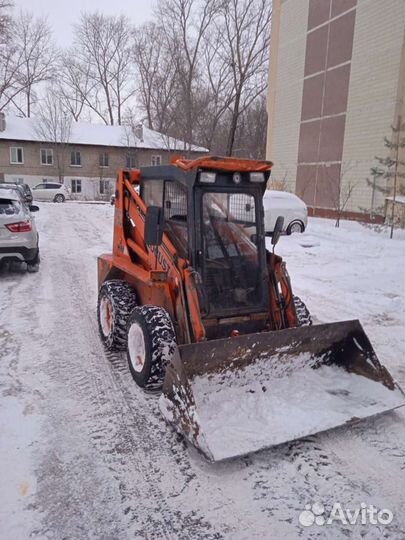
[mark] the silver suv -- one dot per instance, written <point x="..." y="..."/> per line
<point x="19" y="239"/>
<point x="50" y="191"/>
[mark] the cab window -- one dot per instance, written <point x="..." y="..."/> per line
<point x="175" y="202"/>
<point x="175" y="211"/>
<point x="152" y="193"/>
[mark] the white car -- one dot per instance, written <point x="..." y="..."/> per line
<point x="288" y="205"/>
<point x="19" y="239"/>
<point x="51" y="191"/>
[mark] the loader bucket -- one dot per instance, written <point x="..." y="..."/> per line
<point x="235" y="396"/>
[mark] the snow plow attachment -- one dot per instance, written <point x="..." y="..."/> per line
<point x="238" y="395"/>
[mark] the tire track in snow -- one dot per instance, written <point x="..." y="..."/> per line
<point x="110" y="438"/>
<point x="95" y="381"/>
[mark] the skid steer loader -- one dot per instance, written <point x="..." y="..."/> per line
<point x="206" y="312"/>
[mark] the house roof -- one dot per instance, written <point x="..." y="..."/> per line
<point x="24" y="129"/>
<point x="400" y="199"/>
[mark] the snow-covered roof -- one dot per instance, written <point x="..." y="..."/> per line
<point x="8" y="193"/>
<point x="400" y="199"/>
<point x="25" y="129"/>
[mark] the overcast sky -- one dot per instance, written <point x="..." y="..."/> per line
<point x="62" y="14"/>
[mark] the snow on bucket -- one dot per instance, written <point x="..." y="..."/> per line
<point x="235" y="396"/>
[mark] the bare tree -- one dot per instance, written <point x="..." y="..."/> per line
<point x="202" y="74"/>
<point x="247" y="31"/>
<point x="340" y="191"/>
<point x="5" y="20"/>
<point x="395" y="145"/>
<point x="280" y="183"/>
<point x="215" y="94"/>
<point x="186" y="23"/>
<point x="303" y="188"/>
<point x="10" y="58"/>
<point x="37" y="53"/>
<point x="100" y="67"/>
<point x="73" y="86"/>
<point x="250" y="136"/>
<point x="389" y="171"/>
<point x="53" y="125"/>
<point x="157" y="77"/>
<point x="11" y="61"/>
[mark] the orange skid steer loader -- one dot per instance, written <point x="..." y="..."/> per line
<point x="205" y="312"/>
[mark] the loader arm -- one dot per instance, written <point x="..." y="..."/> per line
<point x="157" y="273"/>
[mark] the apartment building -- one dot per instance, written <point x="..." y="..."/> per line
<point x="336" y="85"/>
<point x="87" y="162"/>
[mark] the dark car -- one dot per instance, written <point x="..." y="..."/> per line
<point x="27" y="193"/>
<point x="24" y="190"/>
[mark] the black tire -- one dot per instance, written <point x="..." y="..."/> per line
<point x="33" y="266"/>
<point x="116" y="300"/>
<point x="303" y="314"/>
<point x="59" y="198"/>
<point x="153" y="327"/>
<point x="294" y="225"/>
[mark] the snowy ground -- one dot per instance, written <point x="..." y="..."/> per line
<point x="84" y="454"/>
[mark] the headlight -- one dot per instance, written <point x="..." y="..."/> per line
<point x="207" y="177"/>
<point x="257" y="177"/>
<point x="237" y="178"/>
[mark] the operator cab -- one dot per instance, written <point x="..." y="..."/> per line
<point x="230" y="249"/>
<point x="215" y="220"/>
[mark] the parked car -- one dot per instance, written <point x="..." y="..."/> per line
<point x="24" y="189"/>
<point x="51" y="191"/>
<point x="27" y="193"/>
<point x="19" y="239"/>
<point x="288" y="205"/>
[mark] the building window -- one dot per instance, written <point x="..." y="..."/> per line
<point x="132" y="162"/>
<point x="46" y="156"/>
<point x="103" y="159"/>
<point x="76" y="185"/>
<point x="75" y="159"/>
<point x="156" y="160"/>
<point x="104" y="187"/>
<point x="16" y="155"/>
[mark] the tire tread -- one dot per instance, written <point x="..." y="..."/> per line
<point x="162" y="344"/>
<point x="303" y="314"/>
<point x="123" y="302"/>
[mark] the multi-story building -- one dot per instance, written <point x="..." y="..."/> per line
<point x="336" y="85"/>
<point x="87" y="162"/>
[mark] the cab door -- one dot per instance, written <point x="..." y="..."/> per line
<point x="230" y="248"/>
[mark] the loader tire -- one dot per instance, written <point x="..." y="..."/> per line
<point x="116" y="301"/>
<point x="151" y="345"/>
<point x="303" y="314"/>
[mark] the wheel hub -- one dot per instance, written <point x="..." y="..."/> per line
<point x="296" y="228"/>
<point x="136" y="347"/>
<point x="105" y="316"/>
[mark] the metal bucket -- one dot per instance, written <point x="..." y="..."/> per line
<point x="235" y="396"/>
